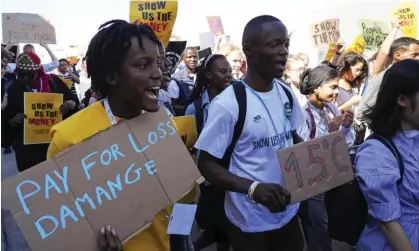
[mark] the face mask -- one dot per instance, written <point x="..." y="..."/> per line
<point x="26" y="76"/>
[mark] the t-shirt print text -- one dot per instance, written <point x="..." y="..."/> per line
<point x="272" y="141"/>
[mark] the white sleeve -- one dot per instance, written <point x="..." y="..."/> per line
<point x="218" y="131"/>
<point x="11" y="67"/>
<point x="173" y="89"/>
<point x="297" y="117"/>
<point x="50" y="66"/>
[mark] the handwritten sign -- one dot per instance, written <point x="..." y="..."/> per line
<point x="159" y="15"/>
<point x="358" y="46"/>
<point x="374" y="33"/>
<point x="331" y="51"/>
<point x="325" y="32"/>
<point x="215" y="24"/>
<point x="42" y="111"/>
<point x="406" y="13"/>
<point x="122" y="177"/>
<point x="27" y="28"/>
<point x="316" y="166"/>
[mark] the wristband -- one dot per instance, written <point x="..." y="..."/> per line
<point x="338" y="53"/>
<point x="252" y="189"/>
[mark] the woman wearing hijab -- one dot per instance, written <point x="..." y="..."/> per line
<point x="322" y="117"/>
<point x="32" y="78"/>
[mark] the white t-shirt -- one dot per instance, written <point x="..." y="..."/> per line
<point x="173" y="89"/>
<point x="255" y="155"/>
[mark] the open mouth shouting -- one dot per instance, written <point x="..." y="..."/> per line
<point x="152" y="92"/>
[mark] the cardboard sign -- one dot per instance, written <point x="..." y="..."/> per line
<point x="42" y="112"/>
<point x="374" y="33"/>
<point x="406" y="13"/>
<point x="215" y="24"/>
<point x="325" y="32"/>
<point x="358" y="46"/>
<point x="159" y="15"/>
<point x="316" y="166"/>
<point x="27" y="28"/>
<point x="121" y="177"/>
<point x="331" y="51"/>
<point x="186" y="128"/>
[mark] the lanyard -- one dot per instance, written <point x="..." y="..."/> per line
<point x="108" y="110"/>
<point x="266" y="108"/>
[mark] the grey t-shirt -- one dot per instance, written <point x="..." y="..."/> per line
<point x="370" y="95"/>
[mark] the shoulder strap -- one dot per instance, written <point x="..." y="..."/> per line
<point x="289" y="95"/>
<point x="240" y="92"/>
<point x="312" y="125"/>
<point x="53" y="83"/>
<point x="199" y="115"/>
<point x="392" y="147"/>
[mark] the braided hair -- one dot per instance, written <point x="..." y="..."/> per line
<point x="109" y="47"/>
<point x="202" y="83"/>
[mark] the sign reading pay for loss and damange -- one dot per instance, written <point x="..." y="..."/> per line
<point x="27" y="28"/>
<point x="316" y="166"/>
<point x="159" y="15"/>
<point x="42" y="112"/>
<point x="122" y="177"/>
<point x="325" y="32"/>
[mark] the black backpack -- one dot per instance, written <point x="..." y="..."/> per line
<point x="346" y="206"/>
<point x="210" y="213"/>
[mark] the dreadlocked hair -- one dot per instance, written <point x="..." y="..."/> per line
<point x="109" y="47"/>
<point x="201" y="81"/>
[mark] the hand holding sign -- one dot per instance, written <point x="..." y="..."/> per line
<point x="272" y="196"/>
<point x="109" y="240"/>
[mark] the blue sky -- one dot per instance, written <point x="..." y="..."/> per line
<point x="76" y="21"/>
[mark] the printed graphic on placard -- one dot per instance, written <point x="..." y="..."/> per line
<point x="216" y="26"/>
<point x="374" y="33"/>
<point x="315" y="166"/>
<point x="27" y="28"/>
<point x="61" y="204"/>
<point x="358" y="46"/>
<point x="42" y="112"/>
<point x="325" y="32"/>
<point x="159" y="15"/>
<point x="407" y="14"/>
<point x="186" y="128"/>
<point x="331" y="51"/>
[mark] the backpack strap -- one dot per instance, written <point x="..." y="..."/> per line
<point x="392" y="147"/>
<point x="199" y="115"/>
<point x="312" y="124"/>
<point x="241" y="97"/>
<point x="289" y="95"/>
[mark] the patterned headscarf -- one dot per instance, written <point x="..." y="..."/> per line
<point x="30" y="62"/>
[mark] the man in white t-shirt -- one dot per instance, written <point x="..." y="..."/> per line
<point x="257" y="203"/>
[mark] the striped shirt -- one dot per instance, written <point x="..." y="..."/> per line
<point x="378" y="172"/>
